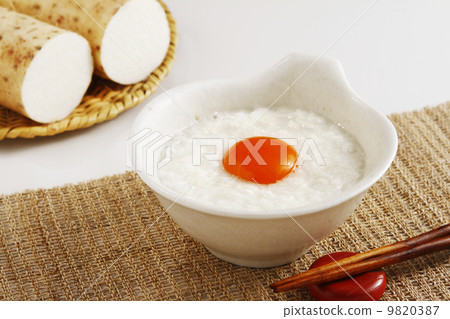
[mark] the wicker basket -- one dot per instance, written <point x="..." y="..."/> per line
<point x="103" y="101"/>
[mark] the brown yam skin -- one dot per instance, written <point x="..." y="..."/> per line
<point x="21" y="38"/>
<point x="68" y="15"/>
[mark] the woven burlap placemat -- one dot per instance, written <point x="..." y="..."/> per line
<point x="99" y="240"/>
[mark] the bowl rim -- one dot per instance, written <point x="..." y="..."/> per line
<point x="359" y="188"/>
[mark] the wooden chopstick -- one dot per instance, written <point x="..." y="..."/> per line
<point x="402" y="245"/>
<point x="432" y="241"/>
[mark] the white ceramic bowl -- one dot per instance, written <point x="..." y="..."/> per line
<point x="271" y="238"/>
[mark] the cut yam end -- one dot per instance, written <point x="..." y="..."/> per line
<point x="135" y="42"/>
<point x="57" y="78"/>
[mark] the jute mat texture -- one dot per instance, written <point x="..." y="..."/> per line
<point x="73" y="242"/>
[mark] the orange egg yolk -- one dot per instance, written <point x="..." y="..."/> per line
<point x="260" y="159"/>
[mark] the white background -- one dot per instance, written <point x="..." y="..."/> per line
<point x="396" y="56"/>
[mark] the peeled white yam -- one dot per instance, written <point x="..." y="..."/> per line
<point x="129" y="38"/>
<point x="135" y="42"/>
<point x="44" y="70"/>
<point x="57" y="78"/>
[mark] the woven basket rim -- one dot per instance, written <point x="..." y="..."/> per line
<point x="103" y="105"/>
